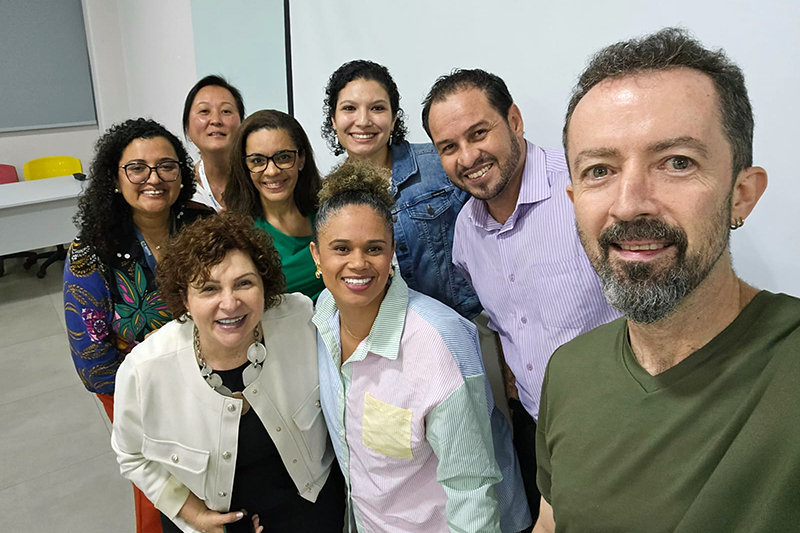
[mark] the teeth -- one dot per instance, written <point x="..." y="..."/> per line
<point x="229" y="321"/>
<point x="363" y="135"/>
<point x="638" y="247"/>
<point x="272" y="184"/>
<point x="357" y="281"/>
<point x="479" y="173"/>
<point x="151" y="192"/>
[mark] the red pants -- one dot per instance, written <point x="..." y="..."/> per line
<point x="148" y="519"/>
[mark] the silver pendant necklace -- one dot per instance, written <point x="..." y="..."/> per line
<point x="256" y="354"/>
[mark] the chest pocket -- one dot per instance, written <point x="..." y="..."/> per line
<point x="386" y="428"/>
<point x="430" y="206"/>
<point x="189" y="465"/>
<point x="311" y="423"/>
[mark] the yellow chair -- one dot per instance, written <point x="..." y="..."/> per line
<point x="51" y="167"/>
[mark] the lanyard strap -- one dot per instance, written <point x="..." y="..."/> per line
<point x="148" y="254"/>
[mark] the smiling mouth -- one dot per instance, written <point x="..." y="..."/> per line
<point x="357" y="281"/>
<point x="217" y="134"/>
<point x="273" y="184"/>
<point x="363" y="136"/>
<point x="642" y="247"/>
<point x="231" y="321"/>
<point x="479" y="173"/>
<point x="152" y="192"/>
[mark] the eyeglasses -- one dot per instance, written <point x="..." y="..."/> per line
<point x="259" y="162"/>
<point x="138" y="173"/>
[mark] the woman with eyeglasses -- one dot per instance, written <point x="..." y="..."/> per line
<point x="274" y="180"/>
<point x="139" y="182"/>
<point x="211" y="113"/>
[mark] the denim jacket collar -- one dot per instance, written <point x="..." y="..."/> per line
<point x="404" y="164"/>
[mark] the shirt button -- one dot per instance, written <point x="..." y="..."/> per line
<point x="511" y="277"/>
<point x="231" y="407"/>
<point x="529" y="366"/>
<point x="174" y="458"/>
<point x="222" y="494"/>
<point x="226" y="455"/>
<point x="524" y="320"/>
<point x="278" y="429"/>
<point x="294" y="461"/>
<point x="317" y="403"/>
<point x="255" y="391"/>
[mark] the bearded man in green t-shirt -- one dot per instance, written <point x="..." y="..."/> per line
<point x="684" y="416"/>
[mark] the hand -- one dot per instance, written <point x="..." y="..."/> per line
<point x="200" y="517"/>
<point x="258" y="528"/>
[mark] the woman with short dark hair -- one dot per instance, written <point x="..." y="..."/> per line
<point x="211" y="113"/>
<point x="218" y="418"/>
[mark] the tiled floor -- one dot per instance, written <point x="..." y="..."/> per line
<point x="57" y="470"/>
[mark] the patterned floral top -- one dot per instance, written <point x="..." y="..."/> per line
<point x="110" y="308"/>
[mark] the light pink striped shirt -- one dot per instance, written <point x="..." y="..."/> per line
<point x="531" y="274"/>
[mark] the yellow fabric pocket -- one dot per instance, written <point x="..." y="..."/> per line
<point x="386" y="428"/>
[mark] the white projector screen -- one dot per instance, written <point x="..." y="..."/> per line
<point x="539" y="48"/>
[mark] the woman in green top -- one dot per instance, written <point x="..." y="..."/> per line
<point x="274" y="179"/>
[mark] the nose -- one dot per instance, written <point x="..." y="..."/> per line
<point x="362" y="117"/>
<point x="468" y="155"/>
<point x="153" y="176"/>
<point x="214" y="118"/>
<point x="634" y="195"/>
<point x="228" y="301"/>
<point x="272" y="169"/>
<point x="358" y="260"/>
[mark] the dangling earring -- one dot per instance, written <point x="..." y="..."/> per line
<point x="391" y="273"/>
<point x="391" y="134"/>
<point x="737" y="223"/>
<point x="338" y="143"/>
<point x="318" y="271"/>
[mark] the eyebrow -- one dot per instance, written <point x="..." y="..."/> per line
<point x="595" y="153"/>
<point x="479" y="124"/>
<point x="685" y="141"/>
<point x="347" y="241"/>
<point x="378" y="101"/>
<point x="246" y="274"/>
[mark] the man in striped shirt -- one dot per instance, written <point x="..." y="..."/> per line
<point x="515" y="239"/>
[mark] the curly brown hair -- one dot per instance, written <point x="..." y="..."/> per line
<point x="356" y="183"/>
<point x="198" y="247"/>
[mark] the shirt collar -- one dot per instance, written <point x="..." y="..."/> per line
<point x="535" y="187"/>
<point x="404" y="165"/>
<point x="387" y="329"/>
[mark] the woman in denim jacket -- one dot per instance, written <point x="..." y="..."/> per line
<point x="363" y="118"/>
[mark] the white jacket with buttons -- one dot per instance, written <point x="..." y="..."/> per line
<point x="173" y="433"/>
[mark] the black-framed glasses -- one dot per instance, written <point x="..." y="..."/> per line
<point x="259" y="162"/>
<point x="138" y="173"/>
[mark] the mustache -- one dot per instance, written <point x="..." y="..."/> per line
<point x="642" y="229"/>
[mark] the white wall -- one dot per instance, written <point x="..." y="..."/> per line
<point x="539" y="48"/>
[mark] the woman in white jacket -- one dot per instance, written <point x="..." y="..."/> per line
<point x="217" y="414"/>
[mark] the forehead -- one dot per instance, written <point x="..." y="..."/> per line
<point x="362" y="89"/>
<point x="460" y="111"/>
<point x="155" y="147"/>
<point x="355" y="223"/>
<point x="214" y="94"/>
<point x="269" y="140"/>
<point x="632" y="112"/>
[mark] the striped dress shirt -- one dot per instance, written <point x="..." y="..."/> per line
<point x="531" y="274"/>
<point x="413" y="423"/>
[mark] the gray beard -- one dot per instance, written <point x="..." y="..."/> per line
<point x="649" y="300"/>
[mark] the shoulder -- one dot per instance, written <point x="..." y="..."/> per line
<point x="583" y="350"/>
<point x="82" y="260"/>
<point x="165" y="341"/>
<point x="294" y="307"/>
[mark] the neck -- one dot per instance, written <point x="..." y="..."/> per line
<point x="357" y="323"/>
<point x="215" y="165"/>
<point x="503" y="205"/>
<point x="283" y="210"/>
<point x="152" y="224"/>
<point x="382" y="158"/>
<point x="703" y="314"/>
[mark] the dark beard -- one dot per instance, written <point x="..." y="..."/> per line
<point x="639" y="290"/>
